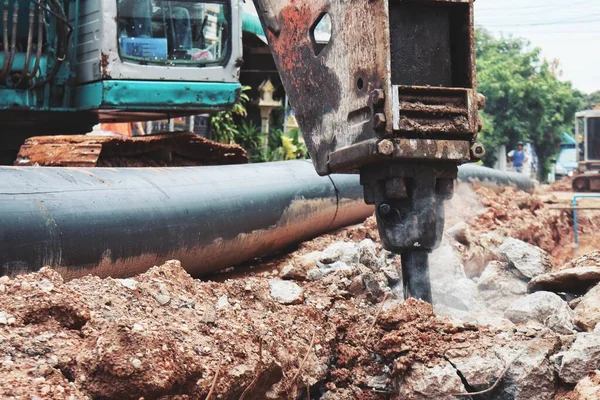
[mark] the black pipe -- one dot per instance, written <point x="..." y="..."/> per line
<point x="469" y="173"/>
<point x="121" y="221"/>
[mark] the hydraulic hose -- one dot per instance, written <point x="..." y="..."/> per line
<point x="121" y="221"/>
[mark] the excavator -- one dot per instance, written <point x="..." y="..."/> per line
<point x="390" y="94"/>
<point x="587" y="132"/>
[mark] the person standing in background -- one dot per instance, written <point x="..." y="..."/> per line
<point x="518" y="158"/>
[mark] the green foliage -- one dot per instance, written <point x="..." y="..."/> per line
<point x="592" y="100"/>
<point x="224" y="125"/>
<point x="285" y="146"/>
<point x="232" y="127"/>
<point x="251" y="139"/>
<point x="525" y="99"/>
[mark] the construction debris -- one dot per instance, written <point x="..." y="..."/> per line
<point x="327" y="321"/>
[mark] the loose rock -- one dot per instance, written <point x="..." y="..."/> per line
<point x="573" y="280"/>
<point x="587" y="311"/>
<point x="461" y="233"/>
<point x="530" y="260"/>
<point x="436" y="382"/>
<point x="544" y="307"/>
<point x="581" y="359"/>
<point x="500" y="285"/>
<point x="348" y="252"/>
<point x="531" y="375"/>
<point x="286" y="292"/>
<point x="300" y="266"/>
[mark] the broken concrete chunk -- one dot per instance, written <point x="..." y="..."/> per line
<point x="573" y="280"/>
<point x="391" y="273"/>
<point x="368" y="254"/>
<point x="530" y="260"/>
<point x="162" y="299"/>
<point x="286" y="292"/>
<point x="501" y="285"/>
<point x="461" y="233"/>
<point x="581" y="359"/>
<point x="380" y="382"/>
<point x="222" y="303"/>
<point x="587" y="311"/>
<point x="544" y="307"/>
<point x="587" y="389"/>
<point x="480" y="368"/>
<point x="128" y="283"/>
<point x="326" y="269"/>
<point x="348" y="252"/>
<point x="438" y="382"/>
<point x="371" y="287"/>
<point x="300" y="266"/>
<point x="531" y="375"/>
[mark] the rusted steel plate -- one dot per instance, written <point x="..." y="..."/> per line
<point x="330" y="92"/>
<point x="353" y="91"/>
<point x="351" y="158"/>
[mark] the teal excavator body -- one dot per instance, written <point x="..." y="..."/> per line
<point x="66" y="65"/>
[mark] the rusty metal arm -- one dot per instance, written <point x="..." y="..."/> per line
<point x="391" y="95"/>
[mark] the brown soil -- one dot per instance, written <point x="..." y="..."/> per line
<point x="535" y="219"/>
<point x="164" y="334"/>
<point x="562" y="185"/>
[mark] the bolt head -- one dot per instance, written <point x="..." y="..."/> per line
<point x="377" y="96"/>
<point x="385" y="147"/>
<point x="379" y="121"/>
<point x="385" y="209"/>
<point x="477" y="151"/>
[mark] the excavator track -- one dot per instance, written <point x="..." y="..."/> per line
<point x="588" y="182"/>
<point x="166" y="149"/>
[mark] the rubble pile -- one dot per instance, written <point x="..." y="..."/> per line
<point x="327" y="321"/>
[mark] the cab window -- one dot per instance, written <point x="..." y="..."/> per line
<point x="173" y="32"/>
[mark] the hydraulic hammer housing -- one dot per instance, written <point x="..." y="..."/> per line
<point x="392" y="96"/>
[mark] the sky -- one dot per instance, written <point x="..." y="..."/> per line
<point x="568" y="30"/>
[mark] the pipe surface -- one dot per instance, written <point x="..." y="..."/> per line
<point x="469" y="173"/>
<point x="121" y="221"/>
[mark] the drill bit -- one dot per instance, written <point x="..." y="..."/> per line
<point x="415" y="275"/>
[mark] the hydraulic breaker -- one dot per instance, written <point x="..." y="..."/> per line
<point x="386" y="89"/>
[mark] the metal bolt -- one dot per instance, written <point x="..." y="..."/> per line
<point x="379" y="121"/>
<point x="385" y="147"/>
<point x="477" y="151"/>
<point x="384" y="209"/>
<point x="377" y="96"/>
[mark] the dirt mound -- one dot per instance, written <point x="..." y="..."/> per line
<point x="534" y="219"/>
<point x="164" y="334"/>
<point x="562" y="185"/>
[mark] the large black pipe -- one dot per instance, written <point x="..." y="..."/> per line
<point x="119" y="222"/>
<point x="470" y="173"/>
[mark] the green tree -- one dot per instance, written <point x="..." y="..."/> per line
<point x="525" y="99"/>
<point x="592" y="100"/>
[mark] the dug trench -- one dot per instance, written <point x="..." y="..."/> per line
<point x="327" y="321"/>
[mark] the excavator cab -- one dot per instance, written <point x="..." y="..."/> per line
<point x="172" y="32"/>
<point x="587" y="131"/>
<point x="66" y="65"/>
